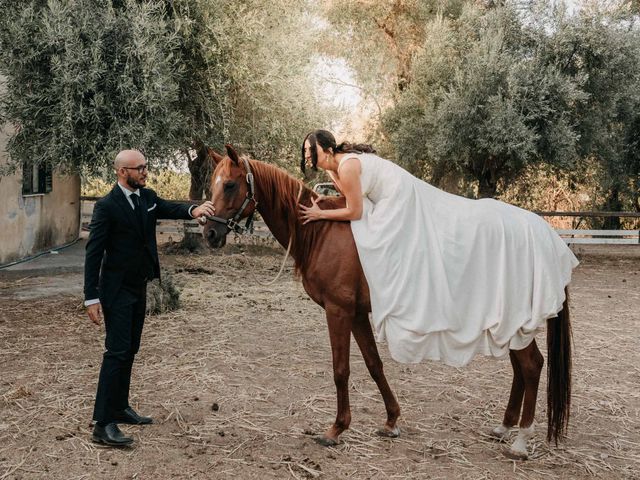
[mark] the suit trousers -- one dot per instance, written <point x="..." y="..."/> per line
<point x="123" y="321"/>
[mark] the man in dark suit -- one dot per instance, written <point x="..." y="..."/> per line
<point x="121" y="256"/>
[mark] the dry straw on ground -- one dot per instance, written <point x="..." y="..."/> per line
<point x="239" y="380"/>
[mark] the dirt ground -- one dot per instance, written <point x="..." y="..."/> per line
<point x="239" y="381"/>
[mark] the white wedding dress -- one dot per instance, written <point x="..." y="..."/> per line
<point x="452" y="277"/>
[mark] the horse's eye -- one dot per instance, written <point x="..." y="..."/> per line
<point x="229" y="186"/>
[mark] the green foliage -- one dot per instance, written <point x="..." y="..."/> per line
<point x="490" y="97"/>
<point x="475" y="94"/>
<point x="85" y="79"/>
<point x="167" y="183"/>
<point x="273" y="101"/>
<point x="95" y="187"/>
<point x="170" y="184"/>
<point x="603" y="47"/>
<point x="380" y="40"/>
<point x="203" y="89"/>
<point x="470" y="96"/>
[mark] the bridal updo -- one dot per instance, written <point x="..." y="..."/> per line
<point x="326" y="140"/>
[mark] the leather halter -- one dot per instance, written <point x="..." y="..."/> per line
<point x="232" y="223"/>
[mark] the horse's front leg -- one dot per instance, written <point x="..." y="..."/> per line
<point x="339" y="322"/>
<point x="364" y="337"/>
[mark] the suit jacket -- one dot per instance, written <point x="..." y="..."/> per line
<point x="119" y="247"/>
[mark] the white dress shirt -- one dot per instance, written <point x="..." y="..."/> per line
<point x="128" y="193"/>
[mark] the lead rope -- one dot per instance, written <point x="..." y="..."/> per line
<point x="284" y="260"/>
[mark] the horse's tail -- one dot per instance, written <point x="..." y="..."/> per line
<point x="559" y="372"/>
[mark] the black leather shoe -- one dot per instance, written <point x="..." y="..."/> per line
<point x="130" y="417"/>
<point x="111" y="435"/>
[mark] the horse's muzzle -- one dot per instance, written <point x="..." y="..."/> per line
<point x="215" y="234"/>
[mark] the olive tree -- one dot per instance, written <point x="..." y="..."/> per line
<point x="483" y="102"/>
<point x="86" y="78"/>
<point x="602" y="46"/>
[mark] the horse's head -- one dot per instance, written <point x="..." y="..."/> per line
<point x="231" y="196"/>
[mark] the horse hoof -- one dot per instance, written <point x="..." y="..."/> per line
<point x="497" y="436"/>
<point x="515" y="454"/>
<point x="389" y="433"/>
<point x="326" y="441"/>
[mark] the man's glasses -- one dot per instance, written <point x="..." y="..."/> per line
<point x="140" y="168"/>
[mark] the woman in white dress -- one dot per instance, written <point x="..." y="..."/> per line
<point x="449" y="276"/>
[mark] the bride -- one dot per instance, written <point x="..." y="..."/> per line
<point x="449" y="277"/>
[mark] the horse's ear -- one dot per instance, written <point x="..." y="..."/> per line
<point x="215" y="156"/>
<point x="233" y="155"/>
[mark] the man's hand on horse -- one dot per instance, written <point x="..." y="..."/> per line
<point x="312" y="213"/>
<point x="95" y="313"/>
<point x="205" y="210"/>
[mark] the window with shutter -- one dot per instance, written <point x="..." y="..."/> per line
<point x="37" y="179"/>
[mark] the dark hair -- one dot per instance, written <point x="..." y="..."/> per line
<point x="326" y="140"/>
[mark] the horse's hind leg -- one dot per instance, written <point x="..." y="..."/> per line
<point x="530" y="362"/>
<point x="339" y="322"/>
<point x="512" y="413"/>
<point x="364" y="337"/>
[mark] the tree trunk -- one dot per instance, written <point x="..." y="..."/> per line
<point x="612" y="204"/>
<point x="201" y="168"/>
<point x="487" y="186"/>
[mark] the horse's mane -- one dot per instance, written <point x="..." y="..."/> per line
<point x="281" y="190"/>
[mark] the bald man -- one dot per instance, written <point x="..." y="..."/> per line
<point x="121" y="256"/>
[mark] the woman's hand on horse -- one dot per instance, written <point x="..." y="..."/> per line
<point x="312" y="213"/>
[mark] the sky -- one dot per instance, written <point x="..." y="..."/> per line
<point x="338" y="83"/>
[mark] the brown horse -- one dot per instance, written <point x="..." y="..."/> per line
<point x="327" y="260"/>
